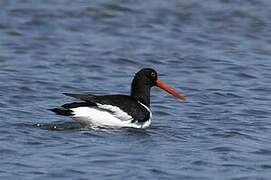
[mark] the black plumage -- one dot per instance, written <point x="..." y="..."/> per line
<point x="127" y="104"/>
<point x="136" y="105"/>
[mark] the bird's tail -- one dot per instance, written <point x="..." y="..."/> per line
<point x="65" y="109"/>
<point x="62" y="111"/>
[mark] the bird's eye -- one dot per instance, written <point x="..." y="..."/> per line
<point x="153" y="74"/>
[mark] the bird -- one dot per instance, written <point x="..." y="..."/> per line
<point x="117" y="111"/>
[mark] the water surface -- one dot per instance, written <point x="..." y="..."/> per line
<point x="216" y="52"/>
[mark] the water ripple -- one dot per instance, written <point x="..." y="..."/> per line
<point x="215" y="52"/>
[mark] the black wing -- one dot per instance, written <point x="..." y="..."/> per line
<point x="126" y="103"/>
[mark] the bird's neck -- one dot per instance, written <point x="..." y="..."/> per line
<point x="141" y="92"/>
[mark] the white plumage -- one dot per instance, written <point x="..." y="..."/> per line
<point x="106" y="116"/>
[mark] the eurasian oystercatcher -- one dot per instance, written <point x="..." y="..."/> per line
<point x="115" y="111"/>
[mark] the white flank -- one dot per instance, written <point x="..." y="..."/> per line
<point x="106" y="116"/>
<point x="116" y="111"/>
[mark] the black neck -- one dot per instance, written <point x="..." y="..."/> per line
<point x="141" y="91"/>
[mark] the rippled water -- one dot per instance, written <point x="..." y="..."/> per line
<point x="217" y="52"/>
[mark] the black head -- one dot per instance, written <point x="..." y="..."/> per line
<point x="147" y="76"/>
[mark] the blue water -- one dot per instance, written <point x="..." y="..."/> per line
<point x="216" y="52"/>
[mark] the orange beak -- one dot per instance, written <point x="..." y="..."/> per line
<point x="168" y="89"/>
